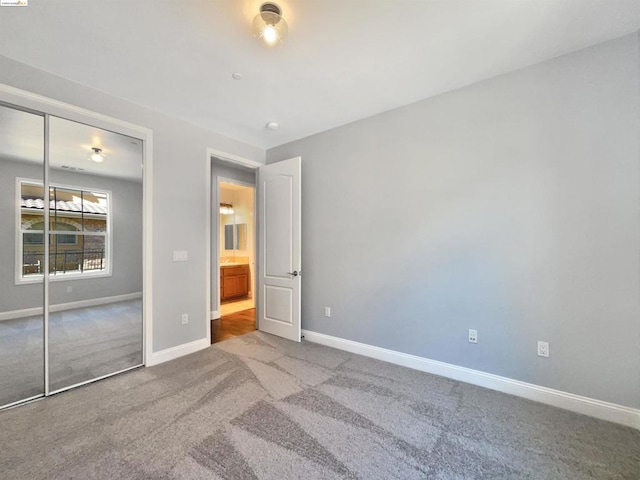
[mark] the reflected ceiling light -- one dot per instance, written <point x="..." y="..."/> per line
<point x="269" y="26"/>
<point x="96" y="155"/>
<point x="226" y="209"/>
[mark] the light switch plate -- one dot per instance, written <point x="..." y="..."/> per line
<point x="180" y="256"/>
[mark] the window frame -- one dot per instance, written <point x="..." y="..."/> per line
<point x="20" y="278"/>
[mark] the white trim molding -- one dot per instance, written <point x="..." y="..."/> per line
<point x="62" y="307"/>
<point x="39" y="103"/>
<point x="587" y="406"/>
<point x="212" y="259"/>
<point x="178" y="351"/>
<point x="231" y="158"/>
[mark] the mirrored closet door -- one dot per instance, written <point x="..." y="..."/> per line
<point x="73" y="302"/>
<point x="95" y="253"/>
<point x="21" y="256"/>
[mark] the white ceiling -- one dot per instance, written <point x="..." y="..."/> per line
<point x="22" y="139"/>
<point x="344" y="60"/>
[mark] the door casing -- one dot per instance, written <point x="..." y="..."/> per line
<point x="213" y="198"/>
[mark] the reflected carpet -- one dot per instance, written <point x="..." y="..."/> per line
<point x="85" y="343"/>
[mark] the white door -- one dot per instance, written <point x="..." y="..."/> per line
<point x="280" y="268"/>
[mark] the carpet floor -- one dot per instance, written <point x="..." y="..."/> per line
<point x="260" y="407"/>
<point x="84" y="343"/>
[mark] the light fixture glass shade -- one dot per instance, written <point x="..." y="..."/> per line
<point x="270" y="28"/>
<point x="96" y="155"/>
<point x="226" y="209"/>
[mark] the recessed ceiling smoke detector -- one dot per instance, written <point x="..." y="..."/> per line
<point x="269" y="26"/>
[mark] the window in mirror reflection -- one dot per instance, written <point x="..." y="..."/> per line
<point x="79" y="222"/>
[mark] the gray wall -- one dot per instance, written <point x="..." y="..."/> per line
<point x="180" y="184"/>
<point x="126" y="233"/>
<point x="509" y="206"/>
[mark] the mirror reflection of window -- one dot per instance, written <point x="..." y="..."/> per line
<point x="83" y="212"/>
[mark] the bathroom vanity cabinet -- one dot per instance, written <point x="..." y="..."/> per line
<point x="234" y="281"/>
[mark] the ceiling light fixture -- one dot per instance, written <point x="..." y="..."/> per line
<point x="96" y="155"/>
<point x="272" y="126"/>
<point x="269" y="26"/>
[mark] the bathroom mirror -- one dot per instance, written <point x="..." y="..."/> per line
<point x="235" y="237"/>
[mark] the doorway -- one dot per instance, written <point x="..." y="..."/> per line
<point x="236" y="256"/>
<point x="276" y="275"/>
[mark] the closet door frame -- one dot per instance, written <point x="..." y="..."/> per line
<point x="17" y="261"/>
<point x="47" y="107"/>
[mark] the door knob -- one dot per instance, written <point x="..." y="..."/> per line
<point x="294" y="273"/>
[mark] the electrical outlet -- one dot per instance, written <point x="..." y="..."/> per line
<point x="327" y="311"/>
<point x="473" y="336"/>
<point x="185" y="318"/>
<point x="69" y="289"/>
<point x="543" y="349"/>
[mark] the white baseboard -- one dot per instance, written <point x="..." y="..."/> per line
<point x="215" y="315"/>
<point x="61" y="307"/>
<point x="587" y="406"/>
<point x="178" y="351"/>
